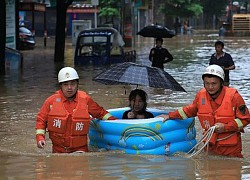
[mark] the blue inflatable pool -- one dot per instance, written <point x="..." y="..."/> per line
<point x="143" y="136"/>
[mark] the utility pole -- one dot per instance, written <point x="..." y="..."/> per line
<point x="95" y="3"/>
<point x="3" y="39"/>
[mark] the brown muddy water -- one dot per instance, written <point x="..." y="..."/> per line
<point x="22" y="94"/>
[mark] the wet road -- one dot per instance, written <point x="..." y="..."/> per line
<point x="22" y="94"/>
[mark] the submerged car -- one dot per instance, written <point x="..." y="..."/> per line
<point x="27" y="39"/>
<point x="101" y="46"/>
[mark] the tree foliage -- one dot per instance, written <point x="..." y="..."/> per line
<point x="109" y="8"/>
<point x="182" y="8"/>
<point x="109" y="12"/>
<point x="218" y="7"/>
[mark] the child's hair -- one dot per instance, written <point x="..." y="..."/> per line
<point x="140" y="93"/>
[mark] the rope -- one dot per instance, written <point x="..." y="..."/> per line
<point x="227" y="136"/>
<point x="206" y="137"/>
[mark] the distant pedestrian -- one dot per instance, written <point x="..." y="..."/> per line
<point x="159" y="55"/>
<point x="186" y="27"/>
<point x="177" y="26"/>
<point x="222" y="31"/>
<point x="222" y="59"/>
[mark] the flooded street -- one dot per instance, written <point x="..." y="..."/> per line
<point x="23" y="93"/>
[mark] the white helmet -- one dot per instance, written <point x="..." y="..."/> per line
<point x="214" y="70"/>
<point x="67" y="74"/>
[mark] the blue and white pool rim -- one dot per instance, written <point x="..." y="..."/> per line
<point x="143" y="136"/>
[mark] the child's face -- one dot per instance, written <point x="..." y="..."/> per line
<point x="137" y="104"/>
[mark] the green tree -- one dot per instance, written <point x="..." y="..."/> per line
<point x="109" y="9"/>
<point x="181" y="8"/>
<point x="219" y="9"/>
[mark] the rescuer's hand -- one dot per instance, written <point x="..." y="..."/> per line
<point x="164" y="116"/>
<point x="219" y="127"/>
<point x="41" y="144"/>
<point x="131" y="115"/>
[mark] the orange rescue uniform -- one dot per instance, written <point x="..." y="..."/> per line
<point x="228" y="108"/>
<point x="68" y="121"/>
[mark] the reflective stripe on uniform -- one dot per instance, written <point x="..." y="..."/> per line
<point x="108" y="115"/>
<point x="239" y="123"/>
<point x="40" y="131"/>
<point x="182" y="113"/>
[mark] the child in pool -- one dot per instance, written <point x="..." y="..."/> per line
<point x="138" y="105"/>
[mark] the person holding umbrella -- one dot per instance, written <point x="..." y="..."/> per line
<point x="138" y="105"/>
<point x="159" y="55"/>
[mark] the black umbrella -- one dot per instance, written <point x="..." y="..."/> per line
<point x="128" y="73"/>
<point x="156" y="31"/>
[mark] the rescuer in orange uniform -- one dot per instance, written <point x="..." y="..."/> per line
<point x="219" y="106"/>
<point x="67" y="114"/>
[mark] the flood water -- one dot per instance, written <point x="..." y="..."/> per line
<point x="23" y="93"/>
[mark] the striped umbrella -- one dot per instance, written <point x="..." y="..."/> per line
<point x="129" y="73"/>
